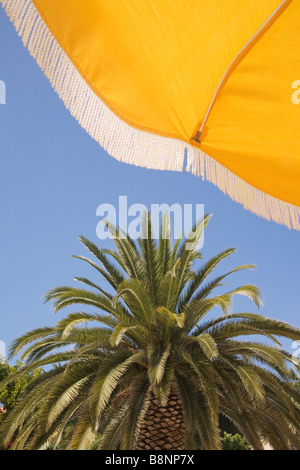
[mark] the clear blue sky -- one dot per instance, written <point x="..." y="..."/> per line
<point x="53" y="178"/>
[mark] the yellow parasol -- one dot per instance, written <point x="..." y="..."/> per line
<point x="156" y="82"/>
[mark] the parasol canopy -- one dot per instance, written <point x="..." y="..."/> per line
<point x="211" y="87"/>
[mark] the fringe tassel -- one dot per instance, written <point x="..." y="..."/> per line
<point x="252" y="199"/>
<point x="123" y="142"/>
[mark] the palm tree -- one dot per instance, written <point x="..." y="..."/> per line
<point x="156" y="372"/>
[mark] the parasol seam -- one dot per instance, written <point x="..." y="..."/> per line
<point x="267" y="24"/>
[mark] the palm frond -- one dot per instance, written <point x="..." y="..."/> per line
<point x="207" y="345"/>
<point x="84" y="435"/>
<point x="157" y="364"/>
<point x="154" y="344"/>
<point x="113" y="272"/>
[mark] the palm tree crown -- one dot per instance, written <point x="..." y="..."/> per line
<point x="155" y="372"/>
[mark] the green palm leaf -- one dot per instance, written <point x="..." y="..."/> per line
<point x="155" y="364"/>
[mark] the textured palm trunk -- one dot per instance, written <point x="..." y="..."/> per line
<point x="163" y="427"/>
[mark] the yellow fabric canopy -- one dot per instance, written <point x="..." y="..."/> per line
<point x="155" y="81"/>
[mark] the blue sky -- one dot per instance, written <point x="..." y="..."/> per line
<point x="53" y="178"/>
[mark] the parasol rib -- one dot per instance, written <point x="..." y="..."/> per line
<point x="279" y="10"/>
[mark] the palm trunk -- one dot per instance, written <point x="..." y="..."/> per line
<point x="163" y="427"/>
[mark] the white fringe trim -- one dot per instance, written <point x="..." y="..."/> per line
<point x="120" y="140"/>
